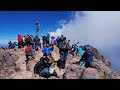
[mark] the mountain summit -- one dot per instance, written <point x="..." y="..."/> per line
<point x="13" y="66"/>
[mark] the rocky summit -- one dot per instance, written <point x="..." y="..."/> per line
<point x="13" y="66"/>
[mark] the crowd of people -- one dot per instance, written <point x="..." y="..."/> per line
<point x="43" y="67"/>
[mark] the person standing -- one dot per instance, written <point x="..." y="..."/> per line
<point x="52" y="40"/>
<point x="48" y="38"/>
<point x="20" y="41"/>
<point x="36" y="40"/>
<point x="63" y="46"/>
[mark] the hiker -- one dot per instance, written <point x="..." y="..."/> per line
<point x="32" y="40"/>
<point x="52" y="40"/>
<point x="39" y="44"/>
<point x="86" y="47"/>
<point x="58" y="40"/>
<point x="27" y="40"/>
<point x="10" y="45"/>
<point x="46" y="50"/>
<point x="75" y="42"/>
<point x="20" y="41"/>
<point x="87" y="58"/>
<point x="48" y="38"/>
<point x="36" y="40"/>
<point x="14" y="45"/>
<point x="69" y="45"/>
<point x="29" y="53"/>
<point x="23" y="40"/>
<point x="44" y="38"/>
<point x="79" y="50"/>
<point x="61" y="38"/>
<point x="72" y="51"/>
<point x="43" y="68"/>
<point x="63" y="53"/>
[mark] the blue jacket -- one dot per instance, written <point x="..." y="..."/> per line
<point x="86" y="47"/>
<point x="46" y="50"/>
<point x="88" y="56"/>
<point x="58" y="39"/>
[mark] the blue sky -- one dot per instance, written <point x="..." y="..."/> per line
<point x="13" y="23"/>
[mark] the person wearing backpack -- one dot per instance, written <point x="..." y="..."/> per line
<point x="29" y="53"/>
<point x="36" y="40"/>
<point x="61" y="38"/>
<point x="88" y="58"/>
<point x="20" y="41"/>
<point x="13" y="45"/>
<point x="86" y="47"/>
<point x="63" y="50"/>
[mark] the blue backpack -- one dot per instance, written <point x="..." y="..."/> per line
<point x="86" y="47"/>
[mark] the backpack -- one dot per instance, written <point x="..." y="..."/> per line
<point x="86" y="47"/>
<point x="82" y="63"/>
<point x="27" y="50"/>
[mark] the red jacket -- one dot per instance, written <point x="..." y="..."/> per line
<point x="20" y="38"/>
<point x="52" y="37"/>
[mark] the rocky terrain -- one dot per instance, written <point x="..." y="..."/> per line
<point x="13" y="66"/>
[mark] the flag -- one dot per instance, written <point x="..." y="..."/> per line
<point x="37" y="25"/>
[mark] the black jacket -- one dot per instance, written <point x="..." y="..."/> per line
<point x="36" y="40"/>
<point x="87" y="55"/>
<point x="40" y="66"/>
<point x="63" y="48"/>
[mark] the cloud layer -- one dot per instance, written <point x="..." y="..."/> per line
<point x="100" y="29"/>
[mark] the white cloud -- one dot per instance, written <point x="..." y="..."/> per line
<point x="100" y="29"/>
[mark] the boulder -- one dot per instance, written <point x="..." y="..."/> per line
<point x="73" y="72"/>
<point x="52" y="77"/>
<point x="90" y="73"/>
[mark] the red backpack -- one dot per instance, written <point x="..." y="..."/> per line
<point x="27" y="50"/>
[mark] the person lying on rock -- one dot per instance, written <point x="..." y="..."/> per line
<point x="87" y="58"/>
<point x="43" y="68"/>
<point x="29" y="53"/>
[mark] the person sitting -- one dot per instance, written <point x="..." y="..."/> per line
<point x="9" y="44"/>
<point x="87" y="58"/>
<point x="43" y="68"/>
